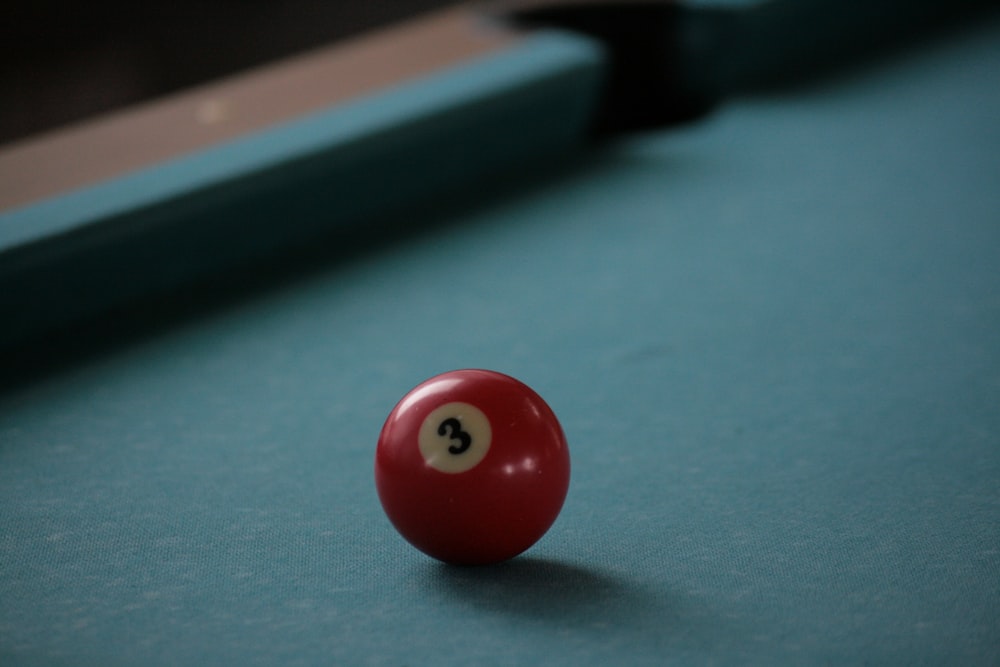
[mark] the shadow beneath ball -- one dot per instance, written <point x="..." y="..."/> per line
<point x="584" y="604"/>
<point x="536" y="587"/>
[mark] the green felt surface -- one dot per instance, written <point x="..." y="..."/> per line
<point x="773" y="340"/>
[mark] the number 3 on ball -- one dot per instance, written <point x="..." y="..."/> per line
<point x="455" y="437"/>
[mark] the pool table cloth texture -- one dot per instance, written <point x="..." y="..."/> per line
<point x="772" y="338"/>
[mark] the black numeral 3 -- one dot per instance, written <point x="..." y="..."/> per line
<point x="456" y="433"/>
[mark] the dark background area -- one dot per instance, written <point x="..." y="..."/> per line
<point x="64" y="61"/>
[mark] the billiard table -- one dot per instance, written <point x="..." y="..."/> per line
<point x="771" y="335"/>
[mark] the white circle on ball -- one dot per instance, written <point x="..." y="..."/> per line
<point x="455" y="437"/>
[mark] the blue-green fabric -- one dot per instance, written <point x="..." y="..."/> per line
<point x="773" y="340"/>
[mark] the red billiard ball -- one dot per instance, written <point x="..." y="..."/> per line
<point x="472" y="467"/>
